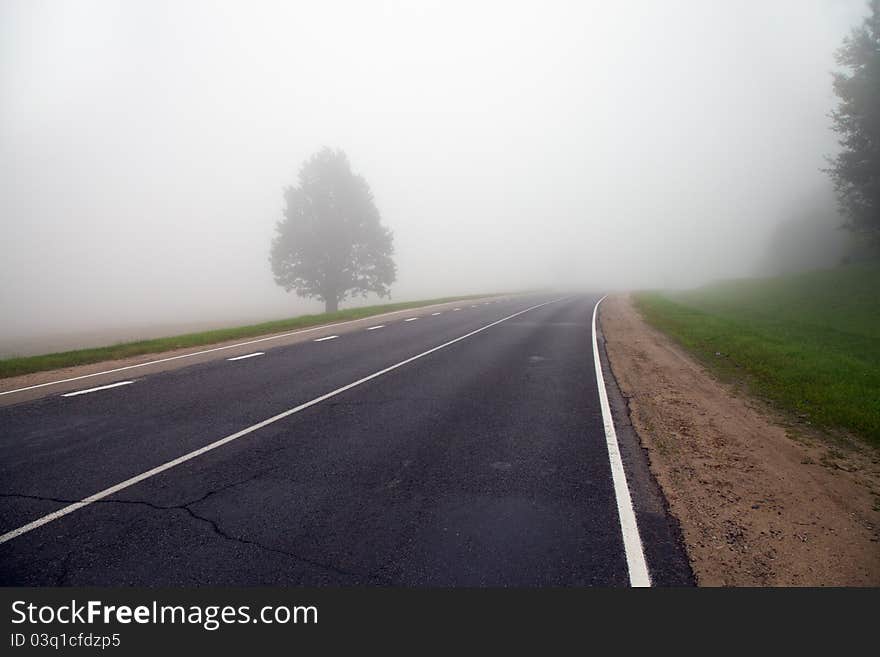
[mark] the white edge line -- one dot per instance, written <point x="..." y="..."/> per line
<point x="373" y="328"/>
<point x="329" y="337"/>
<point x="83" y="392"/>
<point x="632" y="542"/>
<point x="208" y="351"/>
<point x="256" y="353"/>
<point x="60" y="513"/>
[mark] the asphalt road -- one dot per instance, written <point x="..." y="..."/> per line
<point x="481" y="463"/>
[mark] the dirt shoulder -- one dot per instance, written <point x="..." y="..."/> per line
<point x="759" y="504"/>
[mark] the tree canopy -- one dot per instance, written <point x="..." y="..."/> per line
<point x="331" y="243"/>
<point x="856" y="169"/>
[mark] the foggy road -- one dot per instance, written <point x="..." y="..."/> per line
<point x="456" y="445"/>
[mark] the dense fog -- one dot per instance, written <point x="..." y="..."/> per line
<point x="145" y="147"/>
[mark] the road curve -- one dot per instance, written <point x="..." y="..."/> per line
<point x="463" y="449"/>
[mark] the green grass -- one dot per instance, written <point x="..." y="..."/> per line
<point x="808" y="343"/>
<point x="29" y="364"/>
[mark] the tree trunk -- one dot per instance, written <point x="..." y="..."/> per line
<point x="331" y="305"/>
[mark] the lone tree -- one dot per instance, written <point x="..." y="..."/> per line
<point x="331" y="243"/>
<point x="856" y="169"/>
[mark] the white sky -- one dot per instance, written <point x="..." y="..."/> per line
<point x="144" y="146"/>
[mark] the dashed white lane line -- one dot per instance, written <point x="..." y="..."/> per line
<point x="329" y="337"/>
<point x="454" y="309"/>
<point x="632" y="541"/>
<point x="83" y="392"/>
<point x="411" y="319"/>
<point x="191" y="354"/>
<point x="256" y="353"/>
<point x="435" y="314"/>
<point x="122" y="485"/>
<point x="373" y="328"/>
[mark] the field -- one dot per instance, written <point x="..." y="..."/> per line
<point x="27" y="365"/>
<point x="809" y="343"/>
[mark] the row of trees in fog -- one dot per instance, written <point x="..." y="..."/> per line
<point x="855" y="170"/>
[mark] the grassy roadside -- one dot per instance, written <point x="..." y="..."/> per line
<point x="808" y="343"/>
<point x="29" y="364"/>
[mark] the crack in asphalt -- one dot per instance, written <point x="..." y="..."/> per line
<point x="61" y="578"/>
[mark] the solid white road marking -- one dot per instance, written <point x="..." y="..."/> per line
<point x="256" y="353"/>
<point x="411" y="319"/>
<point x="329" y="337"/>
<point x="60" y="513"/>
<point x="83" y="392"/>
<point x="632" y="542"/>
<point x="435" y="314"/>
<point x="196" y="353"/>
<point x="373" y="328"/>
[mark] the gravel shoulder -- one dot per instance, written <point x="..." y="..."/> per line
<point x="761" y="501"/>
